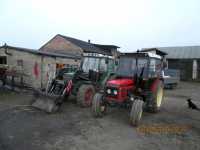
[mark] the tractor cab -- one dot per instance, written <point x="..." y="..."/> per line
<point x="92" y="69"/>
<point x="138" y="82"/>
<point x="97" y="63"/>
<point x="95" y="70"/>
<point x="133" y="71"/>
<point x="134" y="64"/>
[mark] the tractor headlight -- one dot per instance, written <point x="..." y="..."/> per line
<point x="115" y="92"/>
<point x="109" y="91"/>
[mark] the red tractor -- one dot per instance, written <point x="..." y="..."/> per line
<point x="137" y="85"/>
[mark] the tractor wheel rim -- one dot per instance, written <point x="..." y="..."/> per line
<point x="88" y="97"/>
<point x="159" y="97"/>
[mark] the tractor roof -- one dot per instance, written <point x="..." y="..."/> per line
<point x="141" y="54"/>
<point x="94" y="55"/>
<point x="155" y="50"/>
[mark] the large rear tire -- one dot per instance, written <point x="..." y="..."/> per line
<point x="157" y="98"/>
<point x="98" y="108"/>
<point x="136" y="112"/>
<point x="85" y="95"/>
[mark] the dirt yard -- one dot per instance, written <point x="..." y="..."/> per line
<point x="74" y="128"/>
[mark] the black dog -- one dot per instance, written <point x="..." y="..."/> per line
<point x="191" y="105"/>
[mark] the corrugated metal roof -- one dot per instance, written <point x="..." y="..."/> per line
<point x="184" y="52"/>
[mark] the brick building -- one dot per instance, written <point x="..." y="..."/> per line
<point x="67" y="45"/>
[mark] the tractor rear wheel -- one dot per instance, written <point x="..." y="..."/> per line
<point x="157" y="98"/>
<point x="98" y="108"/>
<point x="85" y="95"/>
<point x="136" y="112"/>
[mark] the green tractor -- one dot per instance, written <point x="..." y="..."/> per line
<point x="83" y="83"/>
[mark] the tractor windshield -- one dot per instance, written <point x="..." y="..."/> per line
<point x="90" y="63"/>
<point x="97" y="64"/>
<point x="127" y="66"/>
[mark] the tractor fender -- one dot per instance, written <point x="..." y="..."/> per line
<point x="154" y="85"/>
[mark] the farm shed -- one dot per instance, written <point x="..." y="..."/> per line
<point x="184" y="58"/>
<point x="64" y="45"/>
<point x="36" y="65"/>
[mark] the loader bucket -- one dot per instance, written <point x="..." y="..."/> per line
<point x="46" y="102"/>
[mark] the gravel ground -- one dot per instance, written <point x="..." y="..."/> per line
<point x="74" y="128"/>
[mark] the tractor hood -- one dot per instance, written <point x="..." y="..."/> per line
<point x="120" y="82"/>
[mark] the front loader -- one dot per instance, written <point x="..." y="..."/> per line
<point x="83" y="83"/>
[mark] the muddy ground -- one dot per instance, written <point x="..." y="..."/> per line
<point x="74" y="128"/>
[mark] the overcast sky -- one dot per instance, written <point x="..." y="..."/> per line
<point x="130" y="24"/>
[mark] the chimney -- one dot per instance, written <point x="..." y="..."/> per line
<point x="88" y="41"/>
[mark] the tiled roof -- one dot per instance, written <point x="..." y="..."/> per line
<point x="86" y="46"/>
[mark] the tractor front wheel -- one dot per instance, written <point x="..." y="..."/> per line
<point x="98" y="107"/>
<point x="136" y="112"/>
<point x="85" y="95"/>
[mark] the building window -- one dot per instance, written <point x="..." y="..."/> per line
<point x="3" y="60"/>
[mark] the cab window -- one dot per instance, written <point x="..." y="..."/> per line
<point x="155" y="67"/>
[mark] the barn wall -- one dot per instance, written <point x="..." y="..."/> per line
<point x="30" y="64"/>
<point x="184" y="65"/>
<point x="35" y="66"/>
<point x="49" y="65"/>
<point x="60" y="45"/>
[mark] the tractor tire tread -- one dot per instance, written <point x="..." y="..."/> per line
<point x="81" y="94"/>
<point x="137" y="108"/>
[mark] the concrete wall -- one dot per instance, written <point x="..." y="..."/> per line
<point x="49" y="65"/>
<point x="29" y="61"/>
<point x="61" y="45"/>
<point x="35" y="66"/>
